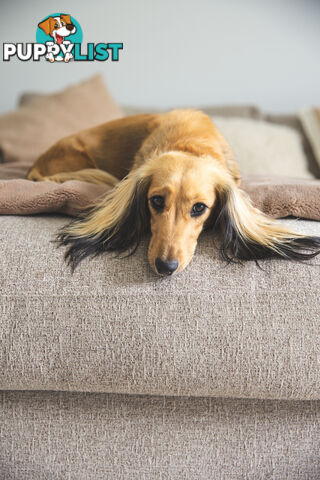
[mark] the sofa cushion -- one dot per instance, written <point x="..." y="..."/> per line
<point x="294" y="121"/>
<point x="114" y="326"/>
<point x="81" y="436"/>
<point x="262" y="148"/>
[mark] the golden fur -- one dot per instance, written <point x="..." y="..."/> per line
<point x="178" y="158"/>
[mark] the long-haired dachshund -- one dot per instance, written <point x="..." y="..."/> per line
<point x="172" y="174"/>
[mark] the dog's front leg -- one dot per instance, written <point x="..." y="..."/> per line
<point x="49" y="56"/>
<point x="68" y="57"/>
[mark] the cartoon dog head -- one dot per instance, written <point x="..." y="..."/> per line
<point x="58" y="27"/>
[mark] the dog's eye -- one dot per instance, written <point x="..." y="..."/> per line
<point x="56" y="25"/>
<point x="157" y="202"/>
<point x="63" y="24"/>
<point x="198" y="209"/>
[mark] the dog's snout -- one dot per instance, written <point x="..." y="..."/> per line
<point x="70" y="26"/>
<point x="166" y="267"/>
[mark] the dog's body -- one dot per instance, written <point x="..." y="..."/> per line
<point x="122" y="145"/>
<point x="58" y="28"/>
<point x="173" y="173"/>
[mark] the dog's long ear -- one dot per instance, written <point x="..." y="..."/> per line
<point x="248" y="234"/>
<point x="66" y="18"/>
<point x="116" y="224"/>
<point x="46" y="25"/>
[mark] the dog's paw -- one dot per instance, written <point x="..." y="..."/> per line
<point x="66" y="42"/>
<point x="58" y="58"/>
<point x="50" y="57"/>
<point x="49" y="43"/>
<point x="68" y="57"/>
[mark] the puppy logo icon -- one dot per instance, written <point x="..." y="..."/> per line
<point x="59" y="32"/>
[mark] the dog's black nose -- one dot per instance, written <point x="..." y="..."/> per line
<point x="166" y="267"/>
<point x="70" y="26"/>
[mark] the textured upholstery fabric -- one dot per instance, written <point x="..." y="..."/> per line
<point x="114" y="326"/>
<point x="70" y="436"/>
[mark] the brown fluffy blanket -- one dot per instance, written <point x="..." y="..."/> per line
<point x="276" y="196"/>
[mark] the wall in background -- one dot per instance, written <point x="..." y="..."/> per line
<point x="180" y="52"/>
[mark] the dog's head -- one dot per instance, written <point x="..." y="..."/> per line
<point x="181" y="197"/>
<point x="58" y="27"/>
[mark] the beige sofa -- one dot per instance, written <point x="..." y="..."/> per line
<point x="212" y="374"/>
<point x="114" y="373"/>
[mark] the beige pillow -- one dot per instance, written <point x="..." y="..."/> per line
<point x="264" y="148"/>
<point x="35" y="126"/>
